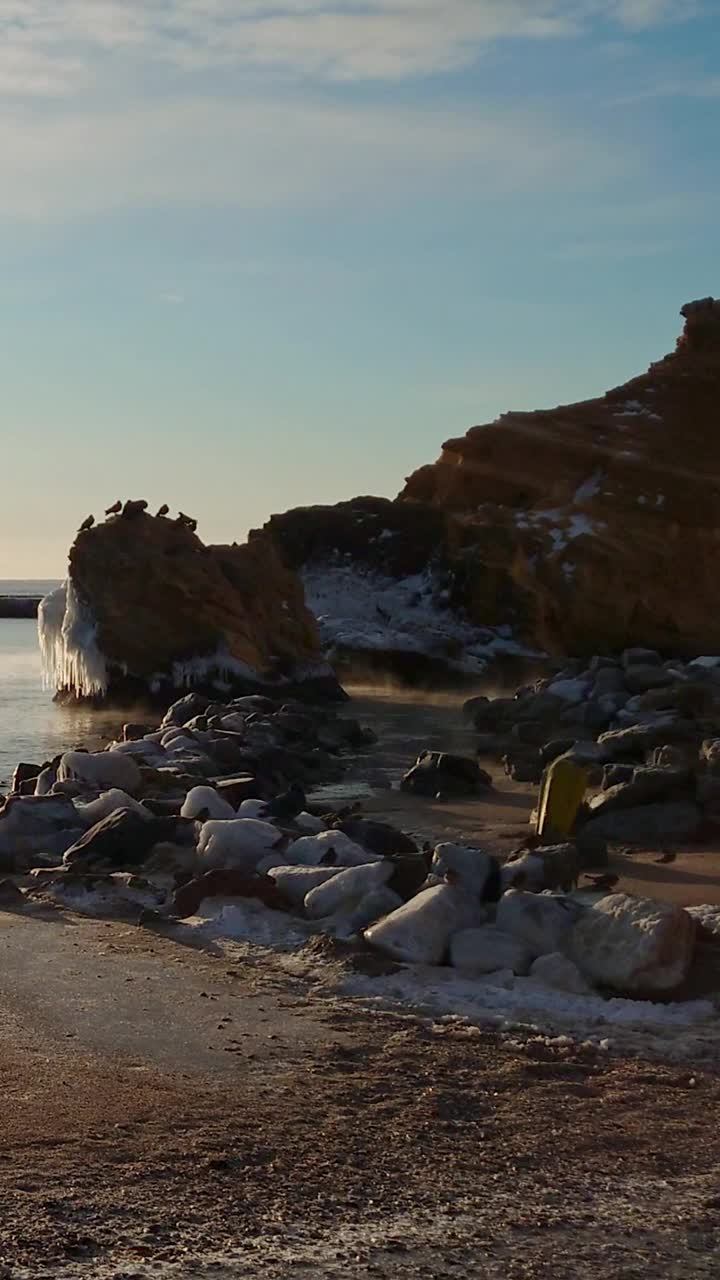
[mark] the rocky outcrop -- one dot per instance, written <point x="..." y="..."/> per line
<point x="597" y="522"/>
<point x="148" y="608"/>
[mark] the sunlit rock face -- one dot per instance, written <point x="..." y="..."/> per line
<point x="599" y="521"/>
<point x="148" y="608"/>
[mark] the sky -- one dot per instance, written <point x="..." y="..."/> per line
<point x="256" y="254"/>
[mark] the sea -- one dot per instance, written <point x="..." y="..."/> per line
<point x="33" y="728"/>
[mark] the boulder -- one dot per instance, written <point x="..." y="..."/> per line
<point x="295" y="883"/>
<point x="540" y="921"/>
<point x="237" y="844"/>
<point x="378" y="837"/>
<point x="205" y="800"/>
<point x="225" y="883"/>
<point x="642" y="678"/>
<point x="560" y="973"/>
<point x="148" y="608"/>
<point x="487" y="949"/>
<point x="328" y="848"/>
<point x="23" y="773"/>
<point x="475" y="872"/>
<point x="614" y="775"/>
<point x="634" y="945"/>
<point x="346" y="889"/>
<point x="648" y="823"/>
<point x="29" y="823"/>
<point x="645" y="786"/>
<point x="100" y="770"/>
<point x="123" y="839"/>
<point x="637" y="739"/>
<point x="439" y="772"/>
<point x="641" y="657"/>
<point x="419" y="931"/>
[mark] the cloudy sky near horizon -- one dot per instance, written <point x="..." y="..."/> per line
<point x="257" y="255"/>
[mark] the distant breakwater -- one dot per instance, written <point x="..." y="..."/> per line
<point x="19" y="606"/>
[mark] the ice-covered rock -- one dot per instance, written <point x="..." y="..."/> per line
<point x="237" y="844"/>
<point x="488" y="949"/>
<point x="376" y="904"/>
<point x="346" y="889"/>
<point x="295" y="883"/>
<point x="634" y="944"/>
<point x="92" y="811"/>
<point x="26" y="823"/>
<point x="206" y="800"/>
<point x="540" y="921"/>
<point x="309" y="823"/>
<point x="471" y="869"/>
<point x="332" y="848"/>
<point x="420" y="930"/>
<point x="559" y="972"/>
<point x="101" y="770"/>
<point x="252" y="809"/>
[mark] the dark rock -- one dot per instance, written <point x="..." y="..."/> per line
<point x="24" y="773"/>
<point x="600" y="663"/>
<point x="616" y="774"/>
<point x="378" y="837"/>
<point x="451" y="775"/>
<point x="531" y="732"/>
<point x="708" y="792"/>
<point x="411" y="871"/>
<point x="638" y="739"/>
<point x="134" y="732"/>
<point x="523" y="766"/>
<point x="597" y="717"/>
<point x="557" y="747"/>
<point x="492" y="744"/>
<point x="123" y="839"/>
<point x="649" y="823"/>
<point x="640" y="679"/>
<point x="608" y="680"/>
<point x="592" y="850"/>
<point x="646" y="657"/>
<point x="226" y="884"/>
<point x="645" y="787"/>
<point x="10" y="896"/>
<point x="682" y="755"/>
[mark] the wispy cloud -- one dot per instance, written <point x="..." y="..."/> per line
<point x="49" y="46"/>
<point x="701" y="88"/>
<point x="256" y="154"/>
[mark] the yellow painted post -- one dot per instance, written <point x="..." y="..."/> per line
<point x="561" y="793"/>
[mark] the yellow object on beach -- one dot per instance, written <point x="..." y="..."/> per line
<point x="561" y="793"/>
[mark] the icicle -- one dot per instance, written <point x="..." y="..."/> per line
<point x="69" y="652"/>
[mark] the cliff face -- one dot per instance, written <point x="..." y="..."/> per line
<point x="598" y="521"/>
<point x="148" y="605"/>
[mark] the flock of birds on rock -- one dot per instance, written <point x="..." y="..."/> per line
<point x="135" y="508"/>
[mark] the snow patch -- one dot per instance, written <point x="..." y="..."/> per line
<point x="590" y="488"/>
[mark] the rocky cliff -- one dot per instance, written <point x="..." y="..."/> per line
<point x="148" y="607"/>
<point x="601" y="520"/>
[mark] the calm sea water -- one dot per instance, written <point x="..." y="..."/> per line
<point x="32" y="727"/>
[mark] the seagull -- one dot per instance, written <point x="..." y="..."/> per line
<point x="87" y="524"/>
<point x="163" y="510"/>
<point x="114" y="509"/>
<point x="134" y="507"/>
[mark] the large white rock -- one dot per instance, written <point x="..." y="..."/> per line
<point x="252" y="809"/>
<point x="296" y="882"/>
<point x="543" y="923"/>
<point x="374" y="906"/>
<point x="201" y="799"/>
<point x="488" y="949"/>
<point x="708" y="917"/>
<point x="331" y="847"/>
<point x="101" y="770"/>
<point x="420" y="930"/>
<point x="108" y="802"/>
<point x="346" y="889"/>
<point x="463" y="865"/>
<point x="634" y="944"/>
<point x="559" y="972"/>
<point x="236" y="845"/>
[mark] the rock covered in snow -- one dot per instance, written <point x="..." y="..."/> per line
<point x="559" y="972"/>
<point x="101" y="770"/>
<point x="295" y="883"/>
<point x="540" y="921"/>
<point x="346" y="889"/>
<point x="470" y="869"/>
<point x="634" y="944"/>
<point x="236" y="844"/>
<point x="205" y="800"/>
<point x="420" y="930"/>
<point x="330" y="848"/>
<point x="487" y="949"/>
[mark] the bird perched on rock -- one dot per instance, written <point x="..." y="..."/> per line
<point x="134" y="508"/>
<point x="605" y="883"/>
<point x="114" y="509"/>
<point x="163" y="510"/>
<point x="87" y="524"/>
<point x="187" y="521"/>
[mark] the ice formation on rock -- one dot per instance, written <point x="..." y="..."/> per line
<point x="69" y="651"/>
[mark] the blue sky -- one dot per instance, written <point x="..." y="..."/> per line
<point x="256" y="255"/>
